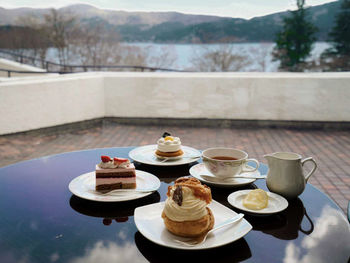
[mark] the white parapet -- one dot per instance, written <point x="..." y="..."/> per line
<point x="250" y="96"/>
<point x="45" y="102"/>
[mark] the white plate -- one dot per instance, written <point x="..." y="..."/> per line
<point x="84" y="187"/>
<point x="168" y="158"/>
<point x="146" y="155"/>
<point x="149" y="222"/>
<point x="199" y="169"/>
<point x="276" y="203"/>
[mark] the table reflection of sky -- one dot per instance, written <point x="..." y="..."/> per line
<point x="111" y="252"/>
<point x="316" y="247"/>
<point x="31" y="240"/>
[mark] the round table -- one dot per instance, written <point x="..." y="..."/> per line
<point x="41" y="221"/>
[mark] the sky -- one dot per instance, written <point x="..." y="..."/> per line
<point x="231" y="8"/>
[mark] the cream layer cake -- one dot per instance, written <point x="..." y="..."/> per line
<point x="116" y="173"/>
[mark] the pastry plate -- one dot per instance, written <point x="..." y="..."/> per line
<point x="160" y="158"/>
<point x="199" y="169"/>
<point x="149" y="222"/>
<point x="83" y="186"/>
<point x="276" y="203"/>
<point x="146" y="155"/>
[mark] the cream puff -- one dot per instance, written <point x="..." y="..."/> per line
<point x="185" y="211"/>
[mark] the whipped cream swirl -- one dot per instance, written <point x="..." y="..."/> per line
<point x="169" y="144"/>
<point x="113" y="164"/>
<point x="192" y="208"/>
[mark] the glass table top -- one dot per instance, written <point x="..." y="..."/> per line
<point x="41" y="221"/>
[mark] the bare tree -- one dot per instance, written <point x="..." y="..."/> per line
<point x="60" y="29"/>
<point x="130" y="56"/>
<point x="94" y="45"/>
<point x="87" y="44"/>
<point x="36" y="37"/>
<point x="165" y="58"/>
<point x="261" y="56"/>
<point x="222" y="58"/>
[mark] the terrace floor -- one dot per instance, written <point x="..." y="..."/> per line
<point x="330" y="149"/>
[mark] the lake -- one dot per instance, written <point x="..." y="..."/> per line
<point x="258" y="53"/>
<point x="180" y="56"/>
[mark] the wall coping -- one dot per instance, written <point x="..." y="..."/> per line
<point x="249" y="75"/>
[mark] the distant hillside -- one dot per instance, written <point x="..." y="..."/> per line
<point x="9" y="16"/>
<point x="321" y="16"/>
<point x="165" y="27"/>
<point x="239" y="30"/>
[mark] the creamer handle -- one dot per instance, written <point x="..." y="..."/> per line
<point x="250" y="170"/>
<point x="309" y="159"/>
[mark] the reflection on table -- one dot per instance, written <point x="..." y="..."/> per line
<point x="109" y="211"/>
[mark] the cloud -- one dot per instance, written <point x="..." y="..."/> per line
<point x="110" y="252"/>
<point x="54" y="257"/>
<point x="122" y="235"/>
<point x="328" y="226"/>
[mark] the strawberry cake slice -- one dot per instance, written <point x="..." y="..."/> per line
<point x="116" y="173"/>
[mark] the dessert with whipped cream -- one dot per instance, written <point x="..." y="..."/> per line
<point x="116" y="173"/>
<point x="169" y="146"/>
<point x="256" y="199"/>
<point x="185" y="211"/>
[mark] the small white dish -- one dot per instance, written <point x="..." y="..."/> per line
<point x="276" y="203"/>
<point x="146" y="155"/>
<point x="83" y="186"/>
<point x="149" y="222"/>
<point x="199" y="169"/>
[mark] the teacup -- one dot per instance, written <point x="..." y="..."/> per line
<point x="227" y="162"/>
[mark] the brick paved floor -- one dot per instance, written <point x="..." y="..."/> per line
<point x="330" y="149"/>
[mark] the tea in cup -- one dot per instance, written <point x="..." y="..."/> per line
<point x="227" y="162"/>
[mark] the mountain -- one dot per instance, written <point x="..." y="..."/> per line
<point x="84" y="11"/>
<point x="322" y="16"/>
<point x="259" y="29"/>
<point x="183" y="28"/>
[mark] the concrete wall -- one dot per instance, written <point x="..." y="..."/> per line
<point x="38" y="103"/>
<point x="252" y="96"/>
<point x="33" y="104"/>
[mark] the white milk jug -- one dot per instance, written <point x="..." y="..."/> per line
<point x="285" y="176"/>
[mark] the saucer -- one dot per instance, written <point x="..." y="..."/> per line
<point x="146" y="155"/>
<point x="199" y="169"/>
<point x="149" y="222"/>
<point x="276" y="203"/>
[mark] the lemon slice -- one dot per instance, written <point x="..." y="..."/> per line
<point x="256" y="199"/>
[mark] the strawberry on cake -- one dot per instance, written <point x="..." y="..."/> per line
<point x="168" y="146"/>
<point x="116" y="173"/>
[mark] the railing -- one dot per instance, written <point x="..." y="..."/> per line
<point x="20" y="56"/>
<point x="67" y="68"/>
<point x="9" y="71"/>
<point x="141" y="68"/>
